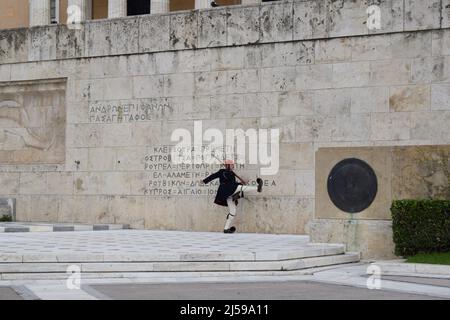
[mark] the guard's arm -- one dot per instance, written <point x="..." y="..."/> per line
<point x="211" y="178"/>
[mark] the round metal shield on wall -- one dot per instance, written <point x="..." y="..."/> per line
<point x="352" y="185"/>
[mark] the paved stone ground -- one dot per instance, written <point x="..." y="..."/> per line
<point x="284" y="290"/>
<point x="7" y="293"/>
<point x="298" y="290"/>
<point x="337" y="282"/>
<point x="356" y="276"/>
<point x="127" y="243"/>
<point x="428" y="281"/>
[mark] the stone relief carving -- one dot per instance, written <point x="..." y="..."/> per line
<point x="32" y="122"/>
<point x="14" y="130"/>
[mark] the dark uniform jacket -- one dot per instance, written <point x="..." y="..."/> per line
<point x="228" y="185"/>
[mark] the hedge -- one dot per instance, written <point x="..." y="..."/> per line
<point x="5" y="218"/>
<point x="421" y="226"/>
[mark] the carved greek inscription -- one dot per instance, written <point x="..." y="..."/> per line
<point x="169" y="179"/>
<point x="131" y="111"/>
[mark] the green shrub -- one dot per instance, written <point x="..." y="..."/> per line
<point x="5" y="218"/>
<point x="421" y="226"/>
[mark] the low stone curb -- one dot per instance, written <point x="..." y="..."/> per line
<point x="15" y="227"/>
<point x="39" y="271"/>
<point x="422" y="270"/>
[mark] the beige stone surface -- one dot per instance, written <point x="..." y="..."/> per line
<point x="153" y="32"/>
<point x="297" y="155"/>
<point x="60" y="183"/>
<point x="409" y="172"/>
<point x="430" y="126"/>
<point x="33" y="182"/>
<point x="440" y="97"/>
<point x="378" y="158"/>
<point x="334" y="50"/>
<point x="291" y="213"/>
<point x="243" y="25"/>
<point x="391" y="126"/>
<point x="276" y="22"/>
<point x="440" y="43"/>
<point x="373" y="238"/>
<point x="422" y="14"/>
<point x="5" y="72"/>
<point x="369" y="100"/>
<point x="390" y="72"/>
<point x="9" y="183"/>
<point x="296" y="103"/>
<point x="409" y="98"/>
<point x="421" y="172"/>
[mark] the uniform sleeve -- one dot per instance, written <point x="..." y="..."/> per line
<point x="212" y="177"/>
<point x="229" y="175"/>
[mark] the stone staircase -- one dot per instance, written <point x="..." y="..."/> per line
<point x="131" y="253"/>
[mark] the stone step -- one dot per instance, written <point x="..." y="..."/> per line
<point x="150" y="245"/>
<point x="304" y="251"/>
<point x="58" y="270"/>
<point x="18" y="227"/>
<point x="137" y="252"/>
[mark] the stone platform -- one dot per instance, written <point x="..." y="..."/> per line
<point x="115" y="253"/>
<point x="9" y="227"/>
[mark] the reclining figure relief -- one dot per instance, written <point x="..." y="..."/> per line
<point x="16" y="132"/>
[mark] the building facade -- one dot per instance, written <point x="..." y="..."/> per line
<point x="87" y="113"/>
<point x="26" y="13"/>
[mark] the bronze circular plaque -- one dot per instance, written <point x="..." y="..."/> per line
<point x="352" y="185"/>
